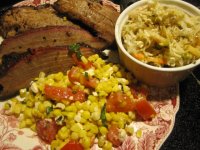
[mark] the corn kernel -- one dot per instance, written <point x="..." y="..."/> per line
<point x="22" y="124"/>
<point x="107" y="146"/>
<point x="63" y="135"/>
<point x="85" y="114"/>
<point x="71" y="108"/>
<point x="94" y="129"/>
<point x="129" y="130"/>
<point x="7" y="106"/>
<point x="103" y="130"/>
<point x="108" y="117"/>
<point x="82" y="133"/>
<point x="76" y="127"/>
<point x="28" y="122"/>
<point x="101" y="141"/>
<point x="74" y="136"/>
<point x="95" y="115"/>
<point x="41" y="108"/>
<point x="84" y="60"/>
<point x="33" y="127"/>
<point x="139" y="133"/>
<point x="57" y="112"/>
<point x="28" y="113"/>
<point x="86" y="142"/>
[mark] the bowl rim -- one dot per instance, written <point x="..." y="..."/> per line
<point x="122" y="18"/>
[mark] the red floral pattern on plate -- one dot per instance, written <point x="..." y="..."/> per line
<point x="153" y="133"/>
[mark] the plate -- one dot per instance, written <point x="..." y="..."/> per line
<point x="148" y="135"/>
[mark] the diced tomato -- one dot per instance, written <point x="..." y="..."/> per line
<point x="119" y="102"/>
<point x="76" y="75"/>
<point x="80" y="63"/>
<point x="72" y="145"/>
<point x="113" y="136"/>
<point x="144" y="109"/>
<point x="64" y="93"/>
<point x="90" y="82"/>
<point x="46" y="130"/>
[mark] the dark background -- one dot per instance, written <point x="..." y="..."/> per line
<point x="186" y="132"/>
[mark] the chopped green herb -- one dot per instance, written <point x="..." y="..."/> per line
<point x="74" y="91"/>
<point x="49" y="109"/>
<point x="86" y="75"/>
<point x="103" y="116"/>
<point x="75" y="49"/>
<point x="78" y="55"/>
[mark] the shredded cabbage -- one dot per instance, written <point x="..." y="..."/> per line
<point x="162" y="36"/>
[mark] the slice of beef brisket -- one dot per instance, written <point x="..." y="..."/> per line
<point x="20" y="19"/>
<point x="49" y="37"/>
<point x="26" y="68"/>
<point x="93" y="14"/>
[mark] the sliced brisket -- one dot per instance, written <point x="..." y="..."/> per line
<point x="20" y="19"/>
<point x="24" y="70"/>
<point x="98" y="17"/>
<point x="49" y="37"/>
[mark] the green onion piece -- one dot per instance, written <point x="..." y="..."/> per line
<point x="103" y="116"/>
<point x="75" y="49"/>
<point x="78" y="54"/>
<point x="86" y="75"/>
<point x="49" y="109"/>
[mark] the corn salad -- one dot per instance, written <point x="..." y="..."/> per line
<point x="85" y="121"/>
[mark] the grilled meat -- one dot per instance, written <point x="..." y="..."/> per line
<point x="49" y="37"/>
<point x="98" y="17"/>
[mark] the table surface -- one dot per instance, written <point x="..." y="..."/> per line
<point x="186" y="132"/>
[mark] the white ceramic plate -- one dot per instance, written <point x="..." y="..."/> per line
<point x="148" y="135"/>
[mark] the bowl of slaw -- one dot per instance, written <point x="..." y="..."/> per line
<point x="166" y="55"/>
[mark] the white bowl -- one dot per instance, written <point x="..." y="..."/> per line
<point x="152" y="75"/>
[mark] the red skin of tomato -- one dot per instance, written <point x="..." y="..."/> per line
<point x="80" y="63"/>
<point x="76" y="75"/>
<point x="72" y="145"/>
<point x="113" y="135"/>
<point x="64" y="93"/>
<point x="47" y="130"/>
<point x="144" y="109"/>
<point x="142" y="106"/>
<point x="119" y="102"/>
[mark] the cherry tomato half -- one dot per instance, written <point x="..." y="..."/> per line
<point x="72" y="145"/>
<point x="144" y="109"/>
